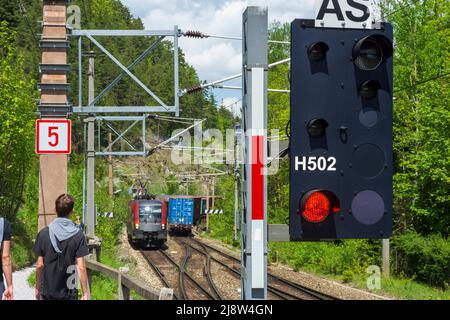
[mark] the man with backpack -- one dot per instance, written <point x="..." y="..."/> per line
<point x="61" y="248"/>
<point x="5" y="261"/>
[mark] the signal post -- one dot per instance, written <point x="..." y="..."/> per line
<point x="254" y="179"/>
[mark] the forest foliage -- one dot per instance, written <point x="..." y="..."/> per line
<point x="421" y="155"/>
<point x="20" y="57"/>
<point x="421" y="125"/>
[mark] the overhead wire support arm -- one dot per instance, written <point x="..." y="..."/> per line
<point x="200" y="35"/>
<point x="215" y="84"/>
<point x="154" y="149"/>
<point x="240" y="88"/>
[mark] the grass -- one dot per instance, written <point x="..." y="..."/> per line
<point x="343" y="261"/>
<point x="405" y="289"/>
<point x="103" y="288"/>
<point x="20" y="256"/>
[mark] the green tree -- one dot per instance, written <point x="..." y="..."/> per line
<point x="422" y="115"/>
<point x="17" y="94"/>
<point x="9" y="12"/>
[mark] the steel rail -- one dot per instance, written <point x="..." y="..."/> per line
<point x="182" y="269"/>
<point x="207" y="271"/>
<point x="206" y="292"/>
<point x="299" y="287"/>
<point x="274" y="291"/>
<point x="158" y="272"/>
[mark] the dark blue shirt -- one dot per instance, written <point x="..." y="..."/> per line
<point x="6" y="237"/>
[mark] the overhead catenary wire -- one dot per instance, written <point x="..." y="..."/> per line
<point x="201" y="87"/>
<point x="218" y="86"/>
<point x="200" y="35"/>
<point x="154" y="149"/>
<point x="401" y="8"/>
<point x="437" y="77"/>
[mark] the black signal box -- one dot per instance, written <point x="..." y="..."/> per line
<point x="341" y="132"/>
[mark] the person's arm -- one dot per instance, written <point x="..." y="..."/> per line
<point x="39" y="268"/>
<point x="82" y="271"/>
<point x="7" y="271"/>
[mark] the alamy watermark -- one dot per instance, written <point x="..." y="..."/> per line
<point x="73" y="280"/>
<point x="213" y="147"/>
<point x="73" y="17"/>
<point x="374" y="279"/>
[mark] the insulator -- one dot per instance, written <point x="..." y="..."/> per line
<point x="194" y="89"/>
<point x="195" y="34"/>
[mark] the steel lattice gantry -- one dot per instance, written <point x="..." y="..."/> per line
<point x="136" y="114"/>
<point x="91" y="107"/>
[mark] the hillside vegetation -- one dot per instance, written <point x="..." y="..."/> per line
<point x="420" y="244"/>
<point x="421" y="248"/>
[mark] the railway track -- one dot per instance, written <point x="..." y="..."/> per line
<point x="185" y="286"/>
<point x="279" y="287"/>
<point x="207" y="275"/>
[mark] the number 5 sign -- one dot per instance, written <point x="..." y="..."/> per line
<point x="53" y="136"/>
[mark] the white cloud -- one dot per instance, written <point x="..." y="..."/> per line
<point x="219" y="59"/>
<point x="232" y="104"/>
<point x="213" y="58"/>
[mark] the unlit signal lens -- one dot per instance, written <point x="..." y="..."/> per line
<point x="317" y="51"/>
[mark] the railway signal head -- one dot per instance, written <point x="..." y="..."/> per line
<point x="341" y="132"/>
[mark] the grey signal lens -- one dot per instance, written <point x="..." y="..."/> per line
<point x="317" y="51"/>
<point x="370" y="55"/>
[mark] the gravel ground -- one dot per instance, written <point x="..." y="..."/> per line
<point x="22" y="291"/>
<point x="327" y="286"/>
<point x="139" y="267"/>
<point x="228" y="285"/>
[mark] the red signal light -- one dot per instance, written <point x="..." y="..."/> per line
<point x="317" y="205"/>
<point x="316" y="208"/>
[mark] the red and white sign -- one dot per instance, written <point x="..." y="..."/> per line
<point x="53" y="136"/>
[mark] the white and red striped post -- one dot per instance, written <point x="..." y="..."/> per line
<point x="254" y="216"/>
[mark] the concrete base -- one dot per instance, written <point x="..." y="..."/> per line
<point x="52" y="183"/>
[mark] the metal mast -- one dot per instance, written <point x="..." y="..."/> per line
<point x="53" y="104"/>
<point x="254" y="180"/>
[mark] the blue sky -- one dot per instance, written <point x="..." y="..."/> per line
<point x="213" y="58"/>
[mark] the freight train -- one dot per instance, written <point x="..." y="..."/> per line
<point x="185" y="212"/>
<point x="147" y="221"/>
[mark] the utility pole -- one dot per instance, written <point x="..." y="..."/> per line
<point x="90" y="229"/>
<point x="236" y="180"/>
<point x="110" y="166"/>
<point x="207" y="205"/>
<point x="53" y="104"/>
<point x="213" y="192"/>
<point x="385" y="242"/>
<point x="236" y="203"/>
<point x="386" y="259"/>
<point x="254" y="178"/>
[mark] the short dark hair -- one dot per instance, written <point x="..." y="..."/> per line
<point x="64" y="205"/>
